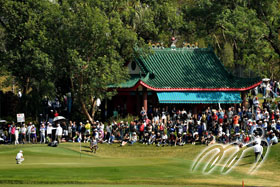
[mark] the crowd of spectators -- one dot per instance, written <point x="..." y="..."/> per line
<point x="163" y="127"/>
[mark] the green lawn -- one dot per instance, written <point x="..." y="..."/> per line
<point x="130" y="165"/>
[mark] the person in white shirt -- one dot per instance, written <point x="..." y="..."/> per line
<point x="274" y="139"/>
<point x="258" y="116"/>
<point x="42" y="133"/>
<point x="256" y="103"/>
<point x="164" y="139"/>
<point x="268" y="89"/>
<point x="29" y="132"/>
<point x="258" y="140"/>
<point x="17" y="135"/>
<point x="133" y="138"/>
<point x="258" y="149"/>
<point x="59" y="133"/>
<point x="273" y="125"/>
<point x="49" y="132"/>
<point x="19" y="157"/>
<point x="23" y="133"/>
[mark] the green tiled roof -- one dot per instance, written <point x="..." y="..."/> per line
<point x="128" y="84"/>
<point x="189" y="68"/>
<point x="185" y="69"/>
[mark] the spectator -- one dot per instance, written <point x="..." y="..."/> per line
<point x="29" y="132"/>
<point x="133" y="138"/>
<point x="58" y="133"/>
<point x="16" y="131"/>
<point x="33" y="134"/>
<point x="23" y="133"/>
<point x="43" y="133"/>
<point x="49" y="132"/>
<point x="274" y="139"/>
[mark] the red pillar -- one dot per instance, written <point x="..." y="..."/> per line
<point x="145" y="99"/>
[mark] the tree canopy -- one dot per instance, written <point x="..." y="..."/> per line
<point x="54" y="47"/>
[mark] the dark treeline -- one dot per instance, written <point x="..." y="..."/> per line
<point x="51" y="48"/>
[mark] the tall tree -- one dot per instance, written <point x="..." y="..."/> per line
<point x="245" y="30"/>
<point x="92" y="48"/>
<point x="25" y="56"/>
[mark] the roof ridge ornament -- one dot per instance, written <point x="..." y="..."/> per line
<point x="173" y="45"/>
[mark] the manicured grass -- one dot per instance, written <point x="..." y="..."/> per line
<point x="130" y="165"/>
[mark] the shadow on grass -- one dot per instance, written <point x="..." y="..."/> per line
<point x="245" y="164"/>
<point x="88" y="151"/>
<point x="248" y="156"/>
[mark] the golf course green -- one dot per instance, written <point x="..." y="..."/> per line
<point x="139" y="165"/>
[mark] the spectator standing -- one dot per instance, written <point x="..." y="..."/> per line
<point x="29" y="132"/>
<point x="33" y="134"/>
<point x="43" y="133"/>
<point x="13" y="130"/>
<point x="74" y="129"/>
<point x="23" y="133"/>
<point x="59" y="133"/>
<point x="49" y="132"/>
<point x="16" y="135"/>
<point x="70" y="135"/>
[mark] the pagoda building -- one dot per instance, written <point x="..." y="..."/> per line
<point x="192" y="77"/>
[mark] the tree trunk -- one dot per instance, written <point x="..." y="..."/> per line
<point x="89" y="116"/>
<point x="85" y="111"/>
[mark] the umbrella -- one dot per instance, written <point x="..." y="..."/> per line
<point x="3" y="121"/>
<point x="265" y="79"/>
<point x="57" y="118"/>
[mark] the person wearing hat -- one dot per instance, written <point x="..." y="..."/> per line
<point x="133" y="138"/>
<point x="33" y="134"/>
<point x="277" y="114"/>
<point x="19" y="157"/>
<point x="58" y="133"/>
<point x="93" y="144"/>
<point x="258" y="149"/>
<point x="49" y="132"/>
<point x="152" y="138"/>
<point x="95" y="134"/>
<point x="274" y="139"/>
<point x="87" y="134"/>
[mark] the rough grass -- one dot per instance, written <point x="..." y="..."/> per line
<point x="130" y="165"/>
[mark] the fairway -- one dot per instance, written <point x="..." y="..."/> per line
<point x="130" y="165"/>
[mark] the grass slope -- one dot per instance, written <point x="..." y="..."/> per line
<point x="138" y="164"/>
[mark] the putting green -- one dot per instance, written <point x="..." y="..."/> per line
<point x="130" y="165"/>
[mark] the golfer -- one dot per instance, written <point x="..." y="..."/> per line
<point x="258" y="149"/>
<point x="19" y="157"/>
<point x="93" y="144"/>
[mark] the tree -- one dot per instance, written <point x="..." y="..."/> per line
<point x="25" y="55"/>
<point x="245" y="30"/>
<point x="92" y="48"/>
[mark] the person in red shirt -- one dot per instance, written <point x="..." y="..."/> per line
<point x="272" y="115"/>
<point x="246" y="139"/>
<point x="214" y="116"/>
<point x="56" y="114"/>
